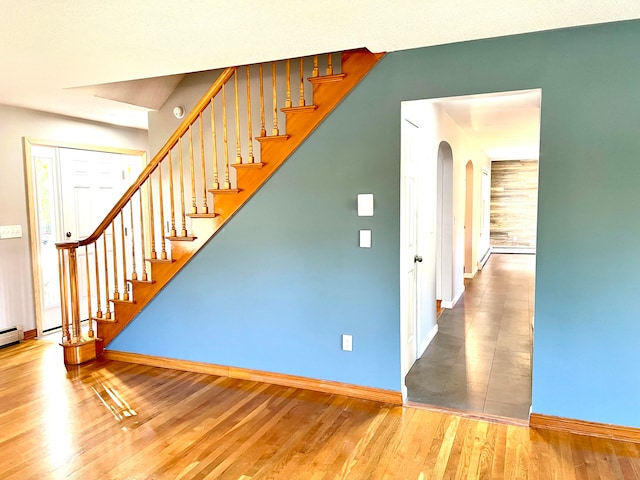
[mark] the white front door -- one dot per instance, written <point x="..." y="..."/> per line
<point x="90" y="183"/>
<point x="409" y="253"/>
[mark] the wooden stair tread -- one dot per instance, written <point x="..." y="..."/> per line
<point x="136" y="281"/>
<point x="200" y="215"/>
<point x="104" y="320"/>
<point x="187" y="238"/>
<point x="248" y="165"/>
<point x="299" y="109"/>
<point x="337" y="77"/>
<point x="273" y="138"/>
<point x="223" y="190"/>
<point x="160" y="260"/>
<point x="121" y="301"/>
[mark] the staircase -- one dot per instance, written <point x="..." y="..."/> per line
<point x="192" y="188"/>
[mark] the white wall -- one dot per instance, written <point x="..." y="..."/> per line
<point x="16" y="291"/>
<point x="464" y="149"/>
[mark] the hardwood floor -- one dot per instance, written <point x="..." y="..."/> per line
<point x="115" y="420"/>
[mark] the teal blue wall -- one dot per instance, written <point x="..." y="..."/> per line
<point x="275" y="290"/>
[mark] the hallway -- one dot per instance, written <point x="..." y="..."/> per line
<point x="480" y="360"/>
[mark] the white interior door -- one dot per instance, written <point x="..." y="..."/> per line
<point x="409" y="253"/>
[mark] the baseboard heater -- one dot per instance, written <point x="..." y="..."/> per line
<point x="11" y="336"/>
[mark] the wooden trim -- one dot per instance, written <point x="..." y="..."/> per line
<point x="30" y="334"/>
<point x="583" y="427"/>
<point x="325" y="386"/>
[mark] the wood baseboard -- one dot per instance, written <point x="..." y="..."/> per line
<point x="325" y="386"/>
<point x="583" y="427"/>
<point x="30" y="334"/>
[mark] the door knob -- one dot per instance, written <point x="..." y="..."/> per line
<point x="68" y="234"/>
<point x="417" y="258"/>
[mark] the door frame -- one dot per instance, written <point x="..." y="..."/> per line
<point x="409" y="320"/>
<point x="34" y="232"/>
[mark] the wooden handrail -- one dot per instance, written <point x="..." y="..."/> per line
<point x="151" y="166"/>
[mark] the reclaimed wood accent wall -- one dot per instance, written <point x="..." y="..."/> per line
<point x="514" y="203"/>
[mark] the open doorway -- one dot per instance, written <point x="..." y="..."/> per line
<point x="477" y="356"/>
<point x="70" y="190"/>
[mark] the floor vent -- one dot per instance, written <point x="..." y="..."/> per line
<point x="11" y="336"/>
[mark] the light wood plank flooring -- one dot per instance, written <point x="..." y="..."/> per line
<point x="121" y="421"/>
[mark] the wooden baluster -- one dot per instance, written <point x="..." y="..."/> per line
<point x="194" y="208"/>
<point x="116" y="293"/>
<point x="107" y="313"/>
<point x="163" y="251"/>
<point x="62" y="272"/>
<point x="95" y="255"/>
<point x="172" y="233"/>
<point x="330" y="64"/>
<point x="250" y="132"/>
<point x="125" y="287"/>
<point x="205" y="207"/>
<point x="86" y="261"/>
<point x="235" y="86"/>
<point x="227" y="183"/>
<point x="184" y="218"/>
<point x="316" y="71"/>
<point x="263" y="130"/>
<point x="152" y="232"/>
<point x="301" y="103"/>
<point x="287" y="102"/>
<point x="143" y="247"/>
<point x="214" y="147"/>
<point x="73" y="290"/>
<point x="275" y="130"/>
<point x="134" y="273"/>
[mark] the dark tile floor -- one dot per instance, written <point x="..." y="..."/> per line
<point x="480" y="360"/>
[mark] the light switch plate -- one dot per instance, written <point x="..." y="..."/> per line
<point x="10" y="231"/>
<point x="365" y="204"/>
<point x="365" y="238"/>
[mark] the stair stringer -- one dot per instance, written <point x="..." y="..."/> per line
<point x="274" y="152"/>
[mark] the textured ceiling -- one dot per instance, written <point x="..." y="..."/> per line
<point x="49" y="46"/>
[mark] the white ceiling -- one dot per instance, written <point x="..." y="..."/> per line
<point x="49" y="46"/>
<point x="506" y="126"/>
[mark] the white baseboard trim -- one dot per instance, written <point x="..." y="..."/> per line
<point x="427" y="340"/>
<point x="452" y="304"/>
<point x="484" y="258"/>
<point x="470" y="275"/>
<point x="513" y="250"/>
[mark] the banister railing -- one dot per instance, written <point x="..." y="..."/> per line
<point x="99" y="270"/>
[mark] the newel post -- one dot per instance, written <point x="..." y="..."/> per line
<point x="77" y="349"/>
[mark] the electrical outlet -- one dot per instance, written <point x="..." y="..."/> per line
<point x="347" y="343"/>
<point x="10" y="231"/>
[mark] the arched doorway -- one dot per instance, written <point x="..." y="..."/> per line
<point x="468" y="222"/>
<point x="444" y="223"/>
